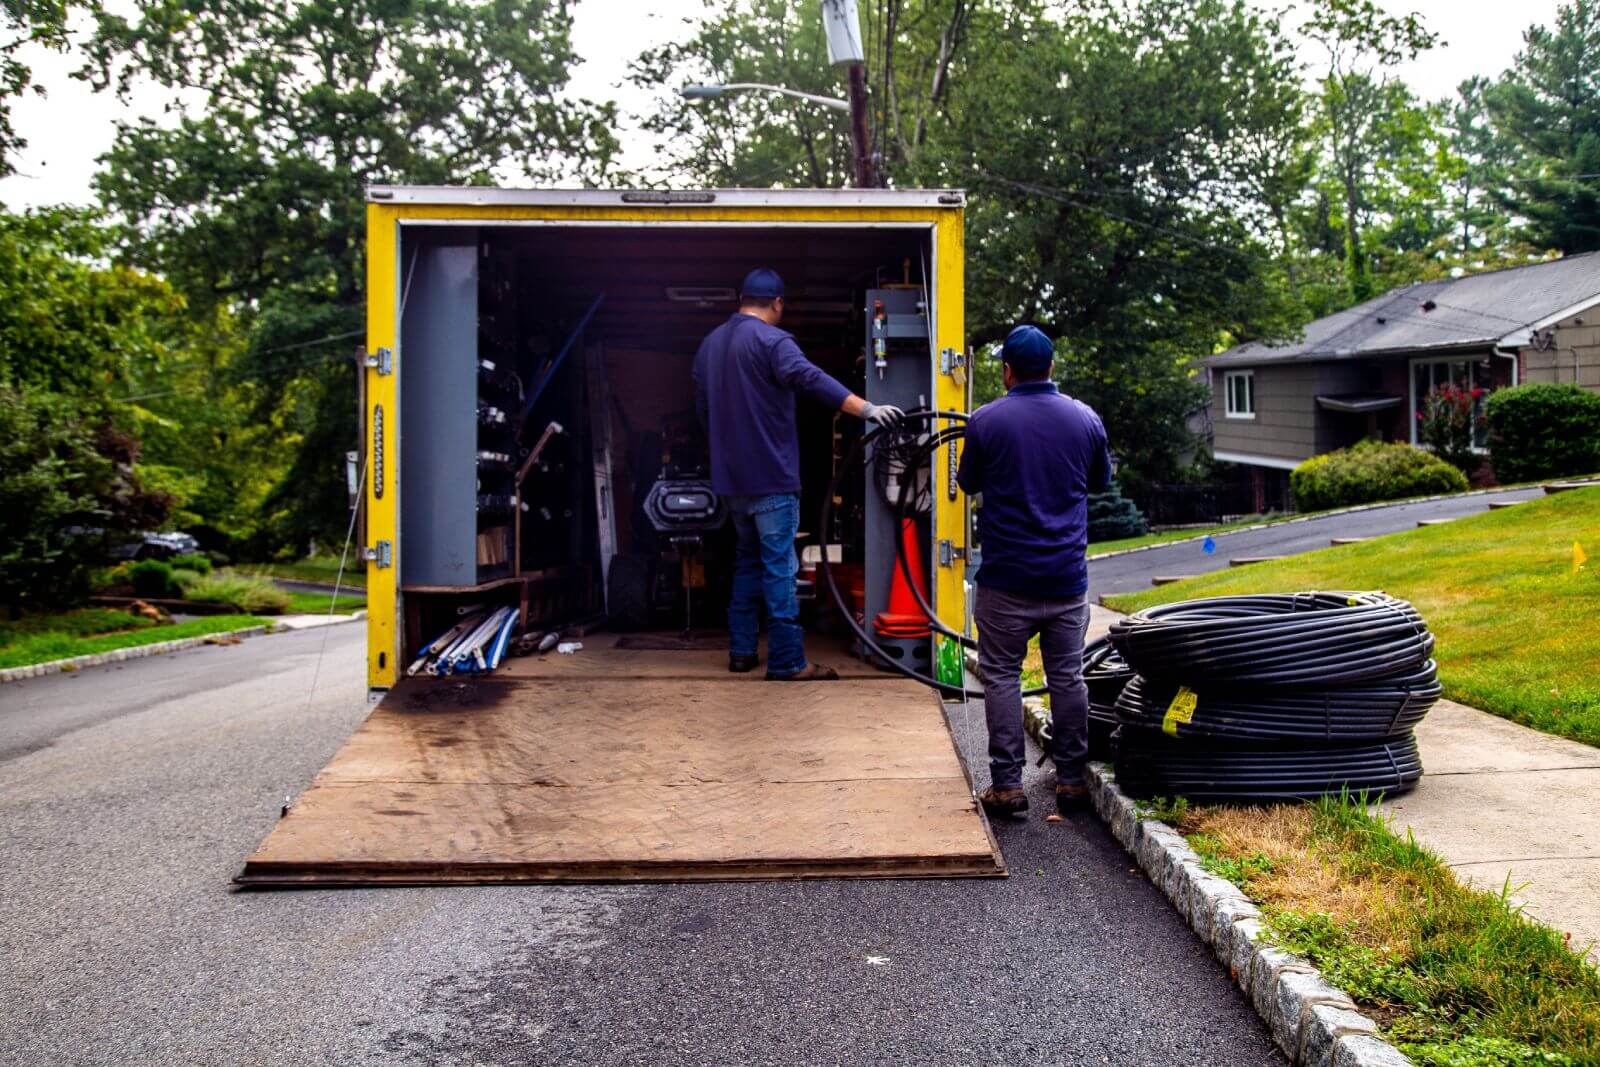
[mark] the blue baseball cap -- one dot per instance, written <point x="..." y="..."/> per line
<point x="763" y="283"/>
<point x="1028" y="350"/>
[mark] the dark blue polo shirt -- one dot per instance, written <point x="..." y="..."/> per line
<point x="1035" y="455"/>
<point x="746" y="375"/>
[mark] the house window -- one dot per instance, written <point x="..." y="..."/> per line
<point x="1239" y="388"/>
<point x="1428" y="374"/>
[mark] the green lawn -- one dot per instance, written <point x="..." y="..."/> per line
<point x="42" y="638"/>
<point x="322" y="569"/>
<point x="317" y="603"/>
<point x="1518" y="628"/>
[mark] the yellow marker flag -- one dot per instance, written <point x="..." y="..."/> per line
<point x="1578" y="558"/>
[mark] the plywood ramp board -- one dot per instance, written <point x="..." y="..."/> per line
<point x="635" y="778"/>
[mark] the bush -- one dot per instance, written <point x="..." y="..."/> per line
<point x="1113" y="516"/>
<point x="1447" y="424"/>
<point x="1542" y="430"/>
<point x="191" y="562"/>
<point x="153" y="577"/>
<point x="252" y="595"/>
<point x="1371" y="471"/>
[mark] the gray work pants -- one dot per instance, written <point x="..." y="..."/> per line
<point x="1006" y="622"/>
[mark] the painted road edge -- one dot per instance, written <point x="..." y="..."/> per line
<point x="160" y="648"/>
<point x="1314" y="1023"/>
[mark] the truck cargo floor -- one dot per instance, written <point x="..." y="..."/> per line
<point x="629" y="765"/>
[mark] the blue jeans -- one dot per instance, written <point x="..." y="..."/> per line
<point x="763" y="572"/>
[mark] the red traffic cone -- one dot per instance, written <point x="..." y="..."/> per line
<point x="905" y="617"/>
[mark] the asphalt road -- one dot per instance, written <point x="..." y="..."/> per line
<point x="130" y="795"/>
<point x="1132" y="571"/>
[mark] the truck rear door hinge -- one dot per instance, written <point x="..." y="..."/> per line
<point x="382" y="361"/>
<point x="949" y="552"/>
<point x="381" y="554"/>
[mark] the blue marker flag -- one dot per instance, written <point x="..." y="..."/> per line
<point x="1210" y="544"/>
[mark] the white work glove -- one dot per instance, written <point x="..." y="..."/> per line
<point x="886" y="415"/>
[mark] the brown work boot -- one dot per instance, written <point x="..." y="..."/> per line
<point x="1003" y="801"/>
<point x="1071" y="798"/>
<point x="815" y="672"/>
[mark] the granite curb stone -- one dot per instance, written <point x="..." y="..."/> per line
<point x="1314" y="1023"/>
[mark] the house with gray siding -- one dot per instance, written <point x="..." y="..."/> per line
<point x="1364" y="371"/>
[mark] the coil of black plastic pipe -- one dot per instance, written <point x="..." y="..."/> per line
<point x="1278" y="639"/>
<point x="1273" y="697"/>
<point x="1372" y="710"/>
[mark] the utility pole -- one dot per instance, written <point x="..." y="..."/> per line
<point x="843" y="26"/>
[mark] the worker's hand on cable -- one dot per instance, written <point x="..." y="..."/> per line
<point x="886" y="415"/>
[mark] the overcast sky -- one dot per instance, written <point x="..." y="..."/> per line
<point x="69" y="128"/>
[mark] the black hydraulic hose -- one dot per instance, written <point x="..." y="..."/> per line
<point x="949" y="436"/>
<point x="825" y="523"/>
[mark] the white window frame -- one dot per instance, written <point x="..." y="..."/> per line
<point x="1411" y="388"/>
<point x="1228" y="408"/>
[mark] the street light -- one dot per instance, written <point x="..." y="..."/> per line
<point x="711" y="92"/>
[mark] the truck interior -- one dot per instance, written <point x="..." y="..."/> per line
<point x="567" y="471"/>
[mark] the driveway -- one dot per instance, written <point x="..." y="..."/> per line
<point x="1132" y="571"/>
<point x="130" y="795"/>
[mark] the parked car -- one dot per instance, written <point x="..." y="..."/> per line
<point x="157" y="546"/>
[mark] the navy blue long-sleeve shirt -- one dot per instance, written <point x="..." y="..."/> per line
<point x="1035" y="455"/>
<point x="746" y="376"/>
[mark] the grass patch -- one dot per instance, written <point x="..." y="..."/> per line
<point x="322" y="569"/>
<point x="317" y="603"/>
<point x="40" y="639"/>
<point x="1458" y="977"/>
<point x="251" y="594"/>
<point x="1514" y="621"/>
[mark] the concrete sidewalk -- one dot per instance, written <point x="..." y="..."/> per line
<point x="1502" y="803"/>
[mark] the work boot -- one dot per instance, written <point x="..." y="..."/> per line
<point x="1071" y="798"/>
<point x="1003" y="801"/>
<point x="742" y="663"/>
<point x="816" y="672"/>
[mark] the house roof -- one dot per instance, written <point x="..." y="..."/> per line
<point x="1499" y="307"/>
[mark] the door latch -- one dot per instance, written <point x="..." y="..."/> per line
<point x="950" y="552"/>
<point x="380" y="555"/>
<point x="382" y="361"/>
<point x="954" y="364"/>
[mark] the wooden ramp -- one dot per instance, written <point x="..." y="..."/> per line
<point x="636" y="765"/>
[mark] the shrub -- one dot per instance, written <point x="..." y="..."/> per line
<point x="1541" y="430"/>
<point x="250" y="594"/>
<point x="1447" y="423"/>
<point x="1113" y="516"/>
<point x="191" y="562"/>
<point x="153" y="577"/>
<point x="1371" y="471"/>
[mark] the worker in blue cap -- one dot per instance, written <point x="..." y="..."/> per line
<point x="747" y="374"/>
<point x="1035" y="455"/>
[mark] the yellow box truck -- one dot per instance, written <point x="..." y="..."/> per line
<point x="529" y="441"/>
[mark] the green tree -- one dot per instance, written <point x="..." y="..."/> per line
<point x="1372" y="133"/>
<point x="41" y="23"/>
<point x="1485" y="163"/>
<point x="253" y="203"/>
<point x="1548" y="107"/>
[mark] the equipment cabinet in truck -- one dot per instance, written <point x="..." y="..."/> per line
<point x="530" y="443"/>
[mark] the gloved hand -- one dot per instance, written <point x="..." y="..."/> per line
<point x="886" y="415"/>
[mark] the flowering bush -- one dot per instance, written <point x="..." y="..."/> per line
<point x="1447" y="423"/>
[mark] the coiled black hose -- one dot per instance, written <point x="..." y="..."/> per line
<point x="1372" y="710"/>
<point x="1150" y="764"/>
<point x="1278" y="639"/>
